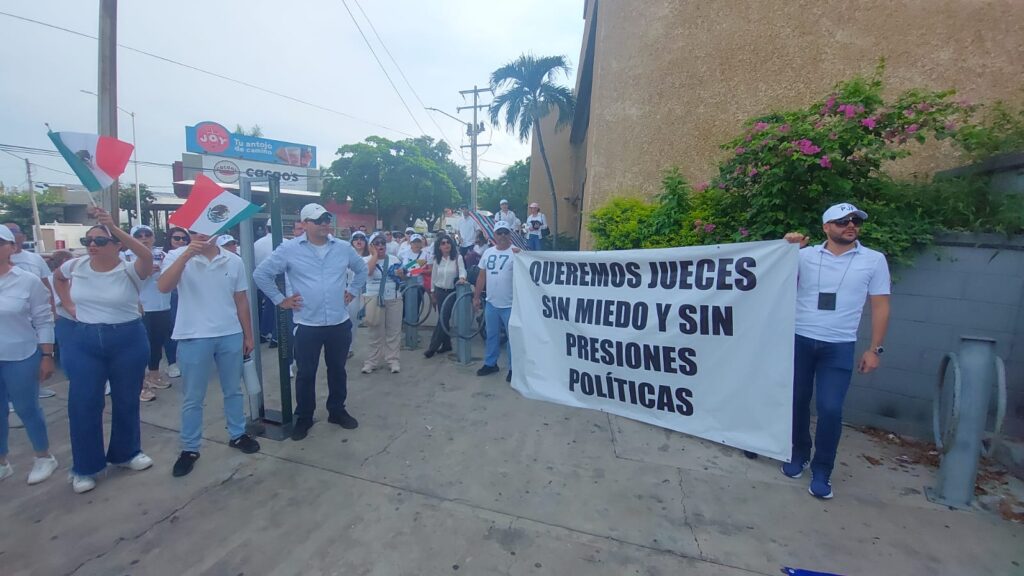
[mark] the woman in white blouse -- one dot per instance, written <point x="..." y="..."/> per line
<point x="448" y="270"/>
<point x="156" y="314"/>
<point x="383" y="316"/>
<point x="108" y="342"/>
<point x="26" y="357"/>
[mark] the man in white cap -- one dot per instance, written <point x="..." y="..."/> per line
<point x="834" y="280"/>
<point x="496" y="277"/>
<point x="507" y="216"/>
<point x="34" y="263"/>
<point x="317" y="266"/>
<point x="228" y="242"/>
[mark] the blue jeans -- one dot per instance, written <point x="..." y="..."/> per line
<point x="97" y="353"/>
<point x="496" y="318"/>
<point x="62" y="333"/>
<point x="196" y="359"/>
<point x="533" y="243"/>
<point x="19" y="383"/>
<point x="824" y="368"/>
<point x="171" y="345"/>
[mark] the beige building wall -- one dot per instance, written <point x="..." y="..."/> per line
<point x="673" y="79"/>
<point x="563" y="158"/>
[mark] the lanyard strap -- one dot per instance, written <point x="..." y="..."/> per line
<point x="848" y="264"/>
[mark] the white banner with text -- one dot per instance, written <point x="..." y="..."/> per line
<point x="696" y="339"/>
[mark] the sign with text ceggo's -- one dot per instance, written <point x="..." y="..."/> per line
<point x="213" y="139"/>
<point x="228" y="171"/>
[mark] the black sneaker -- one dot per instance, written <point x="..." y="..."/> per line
<point x="485" y="370"/>
<point x="444" y="348"/>
<point x="750" y="455"/>
<point x="246" y="444"/>
<point x="429" y="354"/>
<point x="184" y="463"/>
<point x="508" y="377"/>
<point x="344" y="419"/>
<point x="301" y="429"/>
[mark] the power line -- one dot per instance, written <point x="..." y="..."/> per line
<point x="381" y="64"/>
<point x="221" y="76"/>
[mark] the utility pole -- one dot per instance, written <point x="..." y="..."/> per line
<point x="37" y="230"/>
<point x="106" y="88"/>
<point x="473" y="130"/>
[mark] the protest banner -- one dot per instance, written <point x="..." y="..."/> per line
<point x="696" y="339"/>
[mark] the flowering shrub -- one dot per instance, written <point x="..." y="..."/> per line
<point x="786" y="167"/>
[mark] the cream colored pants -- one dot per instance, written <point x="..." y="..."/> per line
<point x="386" y="336"/>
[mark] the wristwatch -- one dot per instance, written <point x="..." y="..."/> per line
<point x="878" y="350"/>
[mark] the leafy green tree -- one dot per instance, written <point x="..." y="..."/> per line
<point x="403" y="179"/>
<point x="126" y="200"/>
<point x="513" y="185"/>
<point x="528" y="94"/>
<point x="18" y="208"/>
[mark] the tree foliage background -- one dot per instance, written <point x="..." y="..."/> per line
<point x="513" y="185"/>
<point x="126" y="200"/>
<point x="17" y="207"/>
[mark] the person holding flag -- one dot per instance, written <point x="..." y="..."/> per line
<point x="213" y="325"/>
<point x="317" y="266"/>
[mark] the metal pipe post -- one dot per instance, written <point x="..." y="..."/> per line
<point x="246" y="238"/>
<point x="411" y="313"/>
<point x="462" y="315"/>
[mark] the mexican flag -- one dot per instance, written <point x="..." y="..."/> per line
<point x="96" y="160"/>
<point x="211" y="209"/>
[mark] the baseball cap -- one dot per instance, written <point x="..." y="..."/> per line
<point x="501" y="224"/>
<point x="226" y="239"/>
<point x="503" y="201"/>
<point x="140" y="227"/>
<point x="358" y="233"/>
<point x="312" y="212"/>
<point x="6" y="234"/>
<point x="415" y="237"/>
<point x="534" y="205"/>
<point x="840" y="210"/>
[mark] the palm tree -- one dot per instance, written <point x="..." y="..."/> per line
<point x="530" y="94"/>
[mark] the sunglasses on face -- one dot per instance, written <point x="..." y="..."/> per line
<point x="142" y="234"/>
<point x="379" y="244"/>
<point x="179" y="238"/>
<point x="5" y="243"/>
<point x="99" y="241"/>
<point x="501" y="232"/>
<point x="844" y="222"/>
<point x="323" y="219"/>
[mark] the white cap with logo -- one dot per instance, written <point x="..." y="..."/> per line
<point x="502" y="225"/>
<point x="841" y="210"/>
<point x="312" y="212"/>
<point x="225" y="239"/>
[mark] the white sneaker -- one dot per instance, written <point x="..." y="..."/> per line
<point x="106" y="390"/>
<point x="139" y="463"/>
<point x="173" y="371"/>
<point x="6" y="470"/>
<point x="47" y="393"/>
<point x="42" y="469"/>
<point x="10" y="407"/>
<point x="82" y="484"/>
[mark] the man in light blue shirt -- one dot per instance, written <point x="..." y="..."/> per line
<point x="317" y="266"/>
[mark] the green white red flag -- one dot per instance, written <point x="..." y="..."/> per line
<point x="96" y="160"/>
<point x="210" y="209"/>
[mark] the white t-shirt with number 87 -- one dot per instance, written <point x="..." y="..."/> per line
<point x="497" y="264"/>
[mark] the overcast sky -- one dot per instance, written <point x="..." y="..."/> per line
<point x="308" y="49"/>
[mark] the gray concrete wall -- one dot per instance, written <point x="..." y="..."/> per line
<point x="964" y="285"/>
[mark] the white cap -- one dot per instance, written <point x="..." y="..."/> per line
<point x="534" y="205"/>
<point x="410" y="230"/>
<point x="138" y="227"/>
<point x="501" y="224"/>
<point x="840" y="210"/>
<point x="374" y="236"/>
<point x="415" y="237"/>
<point x="358" y="233"/>
<point x="226" y="239"/>
<point x="312" y="212"/>
<point x="503" y="201"/>
<point x="6" y="234"/>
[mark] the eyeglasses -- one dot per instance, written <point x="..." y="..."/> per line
<point x="378" y="243"/>
<point x="99" y="241"/>
<point x="6" y="242"/>
<point x="177" y="238"/>
<point x="142" y="234"/>
<point x="844" y="222"/>
<point x="501" y="232"/>
<point x="324" y="218"/>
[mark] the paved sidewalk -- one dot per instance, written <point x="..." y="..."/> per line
<point x="449" y="473"/>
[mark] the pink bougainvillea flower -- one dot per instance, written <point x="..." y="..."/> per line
<point x="830" y="102"/>
<point x="721" y="186"/>
<point x="784" y="128"/>
<point x="744" y="232"/>
<point x="950" y="126"/>
<point x="908" y="112"/>
<point x="825" y="162"/>
<point x="924" y="107"/>
<point x="741" y="150"/>
<point x="752" y="172"/>
<point x="701" y="187"/>
<point x="807" y="147"/>
<point x="818" y="125"/>
<point x="869" y="123"/>
<point x="709" y="227"/>
<point x="760" y="126"/>
<point x="832" y="136"/>
<point x="912" y="128"/>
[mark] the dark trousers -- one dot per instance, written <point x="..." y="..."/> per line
<point x="158" y="329"/>
<point x="822" y="369"/>
<point x="335" y="341"/>
<point x="268" y="316"/>
<point x="171" y="345"/>
<point x="440" y="338"/>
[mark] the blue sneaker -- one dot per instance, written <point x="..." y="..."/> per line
<point x="821" y="486"/>
<point x="794" y="469"/>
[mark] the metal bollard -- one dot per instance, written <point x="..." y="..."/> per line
<point x="462" y="318"/>
<point x="411" y="314"/>
<point x="976" y="369"/>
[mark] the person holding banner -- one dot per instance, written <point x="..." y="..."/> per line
<point x="834" y="280"/>
<point x="496" y="279"/>
<point x="316" y="265"/>
<point x="213" y="326"/>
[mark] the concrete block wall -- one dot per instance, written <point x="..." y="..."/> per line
<point x="967" y="284"/>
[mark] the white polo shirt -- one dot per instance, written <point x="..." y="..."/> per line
<point x="31" y="262"/>
<point x="853" y="276"/>
<point x="206" y="295"/>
